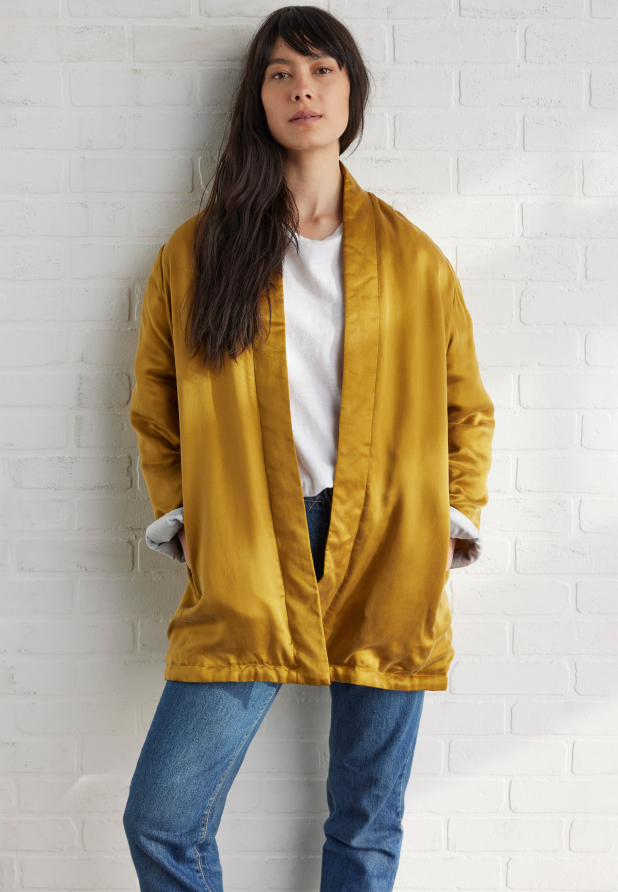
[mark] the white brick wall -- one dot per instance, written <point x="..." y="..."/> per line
<point x="495" y="129"/>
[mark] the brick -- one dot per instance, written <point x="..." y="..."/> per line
<point x="31" y="347"/>
<point x="38" y="835"/>
<point x="530" y="757"/>
<point x="284" y="834"/>
<point x="97" y="430"/>
<point x="71" y="472"/>
<point x="52" y="43"/>
<point x="169" y="131"/>
<point x="136" y="86"/>
<point x="575" y="305"/>
<point x="66" y="304"/>
<point x="568" y="717"/>
<point x="184" y="43"/>
<point x="100" y="835"/>
<point x="600" y="431"/>
<point x="515" y="175"/>
<point x="598" y="678"/>
<point x="29" y="598"/>
<point x="585" y="41"/>
<point x="61" y="637"/>
<point x="601" y="262"/>
<point x="407" y="9"/>
<point x="33" y="173"/>
<point x="38" y="757"/>
<point x="413" y="86"/>
<point x="597" y="596"/>
<point x="38" y="87"/>
<point x="587" y="220"/>
<point x="24" y="261"/>
<point x="105" y="756"/>
<point x="590" y="131"/>
<point x="571" y="391"/>
<point x="576" y="556"/>
<point x="33" y="432"/>
<point x="539" y="262"/>
<point x="563" y="874"/>
<point x="604" y="89"/>
<point x="514" y="9"/>
<point x="31" y="8"/>
<point x="59" y="131"/>
<point x="97" y="390"/>
<point x="602" y="351"/>
<point x="92" y="793"/>
<point x="600" y="177"/>
<point x="426" y="175"/>
<point x="72" y="873"/>
<point x="75" y="717"/>
<point x="455" y="41"/>
<point x="142" y="679"/>
<point x="94" y="261"/>
<point x="604" y="9"/>
<point x="558" y="88"/>
<point x="462" y="219"/>
<point x="513" y="597"/>
<point x="581" y="637"/>
<point x="509" y="347"/>
<point x="471" y="130"/>
<point x="64" y="218"/>
<point x="34" y="514"/>
<point x="105" y="347"/>
<point x="508" y="677"/>
<point x="77" y="555"/>
<point x="131" y="174"/>
<point x="590" y="835"/>
<point x="130" y="8"/>
<point x="506" y="834"/>
<point x="39" y="677"/>
<point x="158" y="219"/>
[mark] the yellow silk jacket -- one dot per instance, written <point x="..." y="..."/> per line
<point x="415" y="436"/>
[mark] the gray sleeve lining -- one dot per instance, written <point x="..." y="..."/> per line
<point x="162" y="535"/>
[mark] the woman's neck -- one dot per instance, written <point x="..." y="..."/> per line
<point x="316" y="183"/>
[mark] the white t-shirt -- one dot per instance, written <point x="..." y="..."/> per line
<point x="314" y="327"/>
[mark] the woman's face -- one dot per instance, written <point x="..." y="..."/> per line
<point x="295" y="83"/>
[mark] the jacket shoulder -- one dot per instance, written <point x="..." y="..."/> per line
<point x="393" y="223"/>
<point x="179" y="244"/>
<point x="402" y="238"/>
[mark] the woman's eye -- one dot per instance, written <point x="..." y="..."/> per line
<point x="276" y="76"/>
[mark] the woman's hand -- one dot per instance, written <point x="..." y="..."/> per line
<point x="451" y="551"/>
<point x="183" y="541"/>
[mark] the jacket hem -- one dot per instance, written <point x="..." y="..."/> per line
<point x="291" y="675"/>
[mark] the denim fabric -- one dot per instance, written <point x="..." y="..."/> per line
<point x="317" y="509"/>
<point x="198" y="739"/>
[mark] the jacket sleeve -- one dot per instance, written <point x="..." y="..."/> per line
<point x="470" y="426"/>
<point x="154" y="402"/>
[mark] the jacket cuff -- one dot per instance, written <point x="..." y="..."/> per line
<point x="162" y="534"/>
<point x="463" y="528"/>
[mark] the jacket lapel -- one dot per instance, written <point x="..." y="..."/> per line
<point x="361" y="320"/>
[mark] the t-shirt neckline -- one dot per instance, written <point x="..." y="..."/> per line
<point x="319" y="241"/>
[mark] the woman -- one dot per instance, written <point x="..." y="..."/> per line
<point x="320" y="475"/>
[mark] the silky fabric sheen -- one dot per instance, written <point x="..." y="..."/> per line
<point x="197" y="741"/>
<point x="415" y="434"/>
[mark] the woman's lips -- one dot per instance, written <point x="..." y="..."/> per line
<point x="306" y="120"/>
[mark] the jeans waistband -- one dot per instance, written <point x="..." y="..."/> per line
<point x="326" y="496"/>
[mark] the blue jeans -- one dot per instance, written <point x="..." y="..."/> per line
<point x="198" y="739"/>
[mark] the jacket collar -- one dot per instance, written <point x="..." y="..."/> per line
<point x="357" y="400"/>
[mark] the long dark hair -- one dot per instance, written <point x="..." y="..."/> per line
<point x="250" y="216"/>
